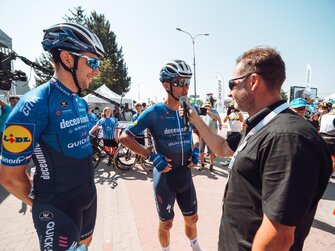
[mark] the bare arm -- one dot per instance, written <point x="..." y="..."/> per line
<point x="273" y="236"/>
<point x="133" y="145"/>
<point x="217" y="143"/>
<point x="196" y="138"/>
<point x="16" y="182"/>
<point x="117" y="134"/>
<point x="96" y="127"/>
<point x="213" y="115"/>
<point x="240" y="116"/>
<point x="225" y="118"/>
<point x="2" y="104"/>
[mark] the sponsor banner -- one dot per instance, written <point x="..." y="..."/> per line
<point x="308" y="76"/>
<point x="219" y="105"/>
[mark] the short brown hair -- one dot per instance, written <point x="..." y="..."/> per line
<point x="266" y="61"/>
<point x="14" y="97"/>
<point x="138" y="105"/>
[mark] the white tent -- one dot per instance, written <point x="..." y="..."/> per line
<point x="108" y="93"/>
<point x="330" y="96"/>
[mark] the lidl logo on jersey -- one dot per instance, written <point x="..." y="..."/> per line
<point x="17" y="138"/>
<point x="134" y="123"/>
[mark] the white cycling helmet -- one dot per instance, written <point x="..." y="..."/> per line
<point x="173" y="69"/>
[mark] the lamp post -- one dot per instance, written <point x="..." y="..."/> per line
<point x="193" y="42"/>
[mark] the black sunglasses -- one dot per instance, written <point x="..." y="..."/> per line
<point x="232" y="84"/>
<point x="301" y="108"/>
<point x="181" y="82"/>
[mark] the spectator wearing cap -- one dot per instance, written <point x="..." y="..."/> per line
<point x="325" y="107"/>
<point x="5" y="111"/>
<point x="211" y="119"/>
<point x="298" y="105"/>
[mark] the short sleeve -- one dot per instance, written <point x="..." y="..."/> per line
<point x="23" y="129"/>
<point x="290" y="170"/>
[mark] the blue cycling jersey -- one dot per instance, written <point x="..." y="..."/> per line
<point x="51" y="122"/>
<point x="133" y="119"/>
<point x="171" y="137"/>
<point x="108" y="127"/>
<point x="93" y="119"/>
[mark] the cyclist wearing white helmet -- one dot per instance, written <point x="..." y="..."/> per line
<point x="50" y="125"/>
<point x="175" y="153"/>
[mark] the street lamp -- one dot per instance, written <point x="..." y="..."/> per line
<point x="193" y="41"/>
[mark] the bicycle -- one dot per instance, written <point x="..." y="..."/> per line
<point x="125" y="159"/>
<point x="98" y="150"/>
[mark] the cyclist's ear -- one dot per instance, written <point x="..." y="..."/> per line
<point x="167" y="86"/>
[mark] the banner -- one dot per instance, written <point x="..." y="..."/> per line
<point x="220" y="84"/>
<point x="307" y="91"/>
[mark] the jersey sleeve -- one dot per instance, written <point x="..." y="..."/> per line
<point x="141" y="122"/>
<point x="24" y="128"/>
<point x="101" y="121"/>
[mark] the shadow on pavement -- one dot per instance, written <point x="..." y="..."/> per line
<point x="330" y="192"/>
<point x="323" y="226"/>
<point x="3" y="194"/>
<point x="109" y="175"/>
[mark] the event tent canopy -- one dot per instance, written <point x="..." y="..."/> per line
<point x="108" y="93"/>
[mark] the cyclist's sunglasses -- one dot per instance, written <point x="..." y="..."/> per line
<point x="94" y="63"/>
<point x="181" y="82"/>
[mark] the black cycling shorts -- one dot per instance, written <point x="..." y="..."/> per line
<point x="66" y="220"/>
<point x="110" y="142"/>
<point x="140" y="140"/>
<point x="176" y="184"/>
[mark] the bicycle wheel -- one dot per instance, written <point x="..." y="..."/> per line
<point x="96" y="157"/>
<point x="147" y="166"/>
<point x="145" y="163"/>
<point x="124" y="158"/>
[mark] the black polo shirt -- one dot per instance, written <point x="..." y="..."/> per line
<point x="282" y="172"/>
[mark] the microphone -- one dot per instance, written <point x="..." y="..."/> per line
<point x="182" y="101"/>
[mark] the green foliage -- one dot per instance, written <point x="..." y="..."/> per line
<point x="283" y="94"/>
<point x="113" y="70"/>
<point x="41" y="77"/>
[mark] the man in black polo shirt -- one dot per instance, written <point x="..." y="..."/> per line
<point x="280" y="168"/>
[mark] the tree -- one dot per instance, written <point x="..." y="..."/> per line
<point x="44" y="61"/>
<point x="113" y="70"/>
<point x="283" y="94"/>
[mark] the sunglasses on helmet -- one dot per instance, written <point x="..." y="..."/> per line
<point x="94" y="63"/>
<point x="181" y="82"/>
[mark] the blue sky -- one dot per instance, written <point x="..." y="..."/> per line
<point x="301" y="30"/>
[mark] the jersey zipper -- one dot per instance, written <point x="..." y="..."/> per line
<point x="181" y="139"/>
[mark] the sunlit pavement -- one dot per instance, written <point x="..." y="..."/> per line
<point x="127" y="215"/>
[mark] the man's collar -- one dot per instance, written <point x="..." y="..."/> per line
<point x="255" y="119"/>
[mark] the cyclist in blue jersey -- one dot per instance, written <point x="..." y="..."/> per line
<point x="175" y="154"/>
<point x="92" y="117"/>
<point x="50" y="125"/>
<point x="110" y="131"/>
<point x="140" y="136"/>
